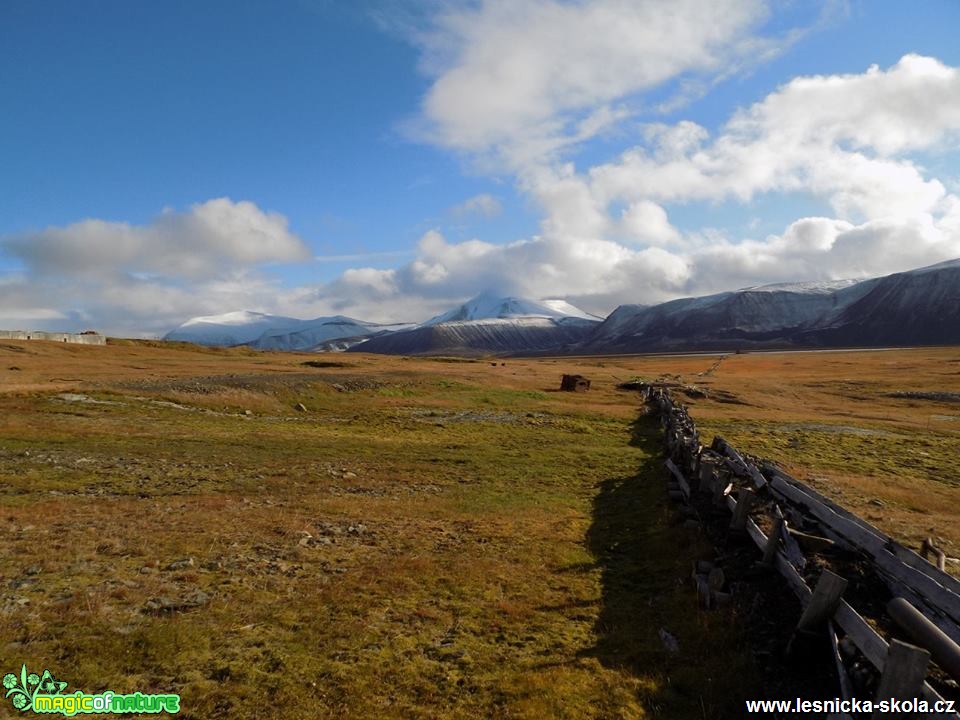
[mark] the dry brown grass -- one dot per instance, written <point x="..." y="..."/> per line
<point x="830" y="418"/>
<point x="427" y="539"/>
<point x="512" y="554"/>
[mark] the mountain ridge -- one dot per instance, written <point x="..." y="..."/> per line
<point x="920" y="306"/>
<point x="913" y="307"/>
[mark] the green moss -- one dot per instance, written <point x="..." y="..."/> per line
<point x="844" y="448"/>
<point x="361" y="559"/>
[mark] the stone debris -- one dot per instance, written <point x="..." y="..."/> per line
<point x="181" y="564"/>
<point x="190" y="601"/>
<point x="79" y="398"/>
<point x="670" y="643"/>
<point x="935" y="396"/>
<point x="357" y="384"/>
<point x="309" y="541"/>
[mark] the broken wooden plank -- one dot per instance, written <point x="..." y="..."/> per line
<point x="745" y="500"/>
<point x="903" y="676"/>
<point x="932" y="591"/>
<point x="929" y="547"/>
<point x="681" y="480"/>
<point x="843" y="679"/>
<point x="814" y="543"/>
<point x="923" y="632"/>
<point x="770" y="549"/>
<point x="758" y="536"/>
<point x="790" y="546"/>
<point x="869" y="642"/>
<point x="824" y="601"/>
<point x="744" y="467"/>
<point x="721" y="490"/>
<point x="903" y="553"/>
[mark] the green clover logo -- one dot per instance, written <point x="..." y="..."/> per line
<point x="24" y="689"/>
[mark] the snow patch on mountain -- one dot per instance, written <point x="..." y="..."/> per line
<point x="312" y="334"/>
<point x="275" y="332"/>
<point x="816" y="287"/>
<point x="232" y="328"/>
<point x="489" y="306"/>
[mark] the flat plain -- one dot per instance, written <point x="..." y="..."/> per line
<point x="307" y="536"/>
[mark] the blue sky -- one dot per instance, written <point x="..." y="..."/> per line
<point x="388" y="159"/>
<point x="125" y="108"/>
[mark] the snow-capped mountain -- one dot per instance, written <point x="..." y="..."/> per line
<point x="480" y="337"/>
<point x="275" y="332"/>
<point x="491" y="324"/>
<point x="910" y="308"/>
<point x="750" y="314"/>
<point x="232" y="328"/>
<point x="489" y="306"/>
<point x="915" y="307"/>
<point x="918" y="307"/>
<point x="318" y="334"/>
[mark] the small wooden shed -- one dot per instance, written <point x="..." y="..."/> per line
<point x="574" y="383"/>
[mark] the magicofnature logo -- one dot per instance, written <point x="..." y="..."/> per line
<point x="44" y="694"/>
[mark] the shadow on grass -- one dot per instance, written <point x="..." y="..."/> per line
<point x="628" y="516"/>
<point x="644" y="558"/>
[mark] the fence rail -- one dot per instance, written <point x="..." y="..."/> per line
<point x="926" y="600"/>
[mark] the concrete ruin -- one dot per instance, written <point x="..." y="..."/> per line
<point x="84" y="338"/>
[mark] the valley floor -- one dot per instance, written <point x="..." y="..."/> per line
<point x="878" y="431"/>
<point x="309" y="536"/>
<point x="373" y="537"/>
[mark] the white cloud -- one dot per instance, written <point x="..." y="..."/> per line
<point x="825" y="249"/>
<point x="127" y="306"/>
<point x="606" y="235"/>
<point x="520" y="82"/>
<point x="646" y="222"/>
<point x="599" y="274"/>
<point x="913" y="105"/>
<point x="210" y="239"/>
<point x="484" y="205"/>
<point x="519" y="78"/>
<point x="141" y="279"/>
<point x="839" y="137"/>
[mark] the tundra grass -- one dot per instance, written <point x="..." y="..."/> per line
<point x="877" y="431"/>
<point x="430" y="540"/>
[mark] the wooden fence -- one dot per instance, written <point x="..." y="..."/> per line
<point x="770" y="507"/>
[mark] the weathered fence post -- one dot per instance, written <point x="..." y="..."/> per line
<point x="824" y="601"/>
<point x="720" y="488"/>
<point x="706" y="474"/>
<point x="904" y="666"/>
<point x="846" y="689"/>
<point x="928" y="547"/>
<point x="773" y="540"/>
<point x="821" y="606"/>
<point x="745" y="500"/>
<point x="903" y="675"/>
